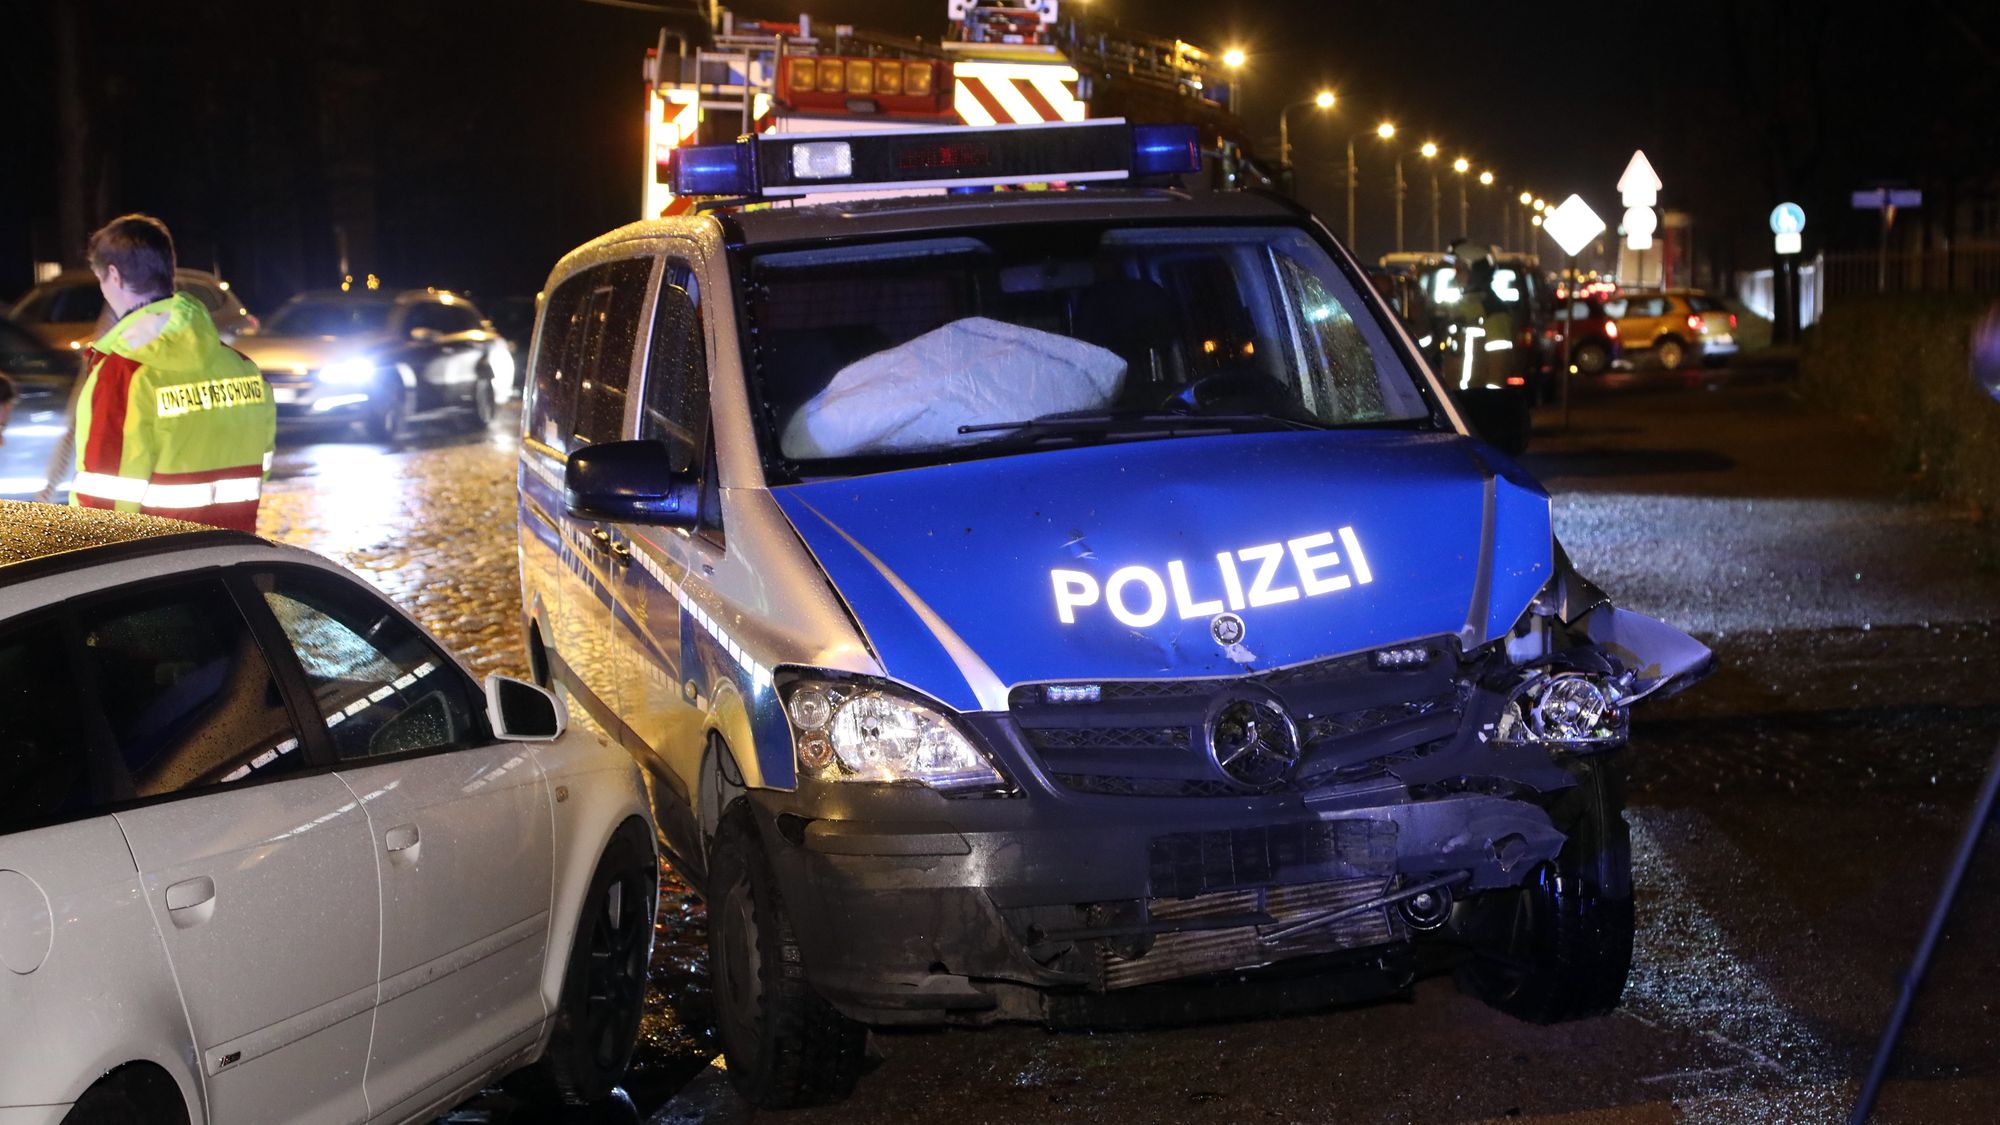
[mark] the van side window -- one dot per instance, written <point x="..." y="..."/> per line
<point x="610" y="327"/>
<point x="676" y="406"/>
<point x="563" y="340"/>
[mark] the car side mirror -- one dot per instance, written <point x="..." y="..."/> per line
<point x="422" y="335"/>
<point x="1985" y="352"/>
<point x="631" y="482"/>
<point x="522" y="712"/>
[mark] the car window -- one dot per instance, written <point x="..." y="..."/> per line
<point x="1697" y="302"/>
<point x="74" y="303"/>
<point x="1649" y="306"/>
<point x="44" y="772"/>
<point x="185" y="689"/>
<point x="429" y="315"/>
<point x="378" y="683"/>
<point x="610" y="326"/>
<point x="676" y="406"/>
<point x="1338" y="378"/>
<point x="335" y="317"/>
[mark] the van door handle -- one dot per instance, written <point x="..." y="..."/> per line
<point x="621" y="552"/>
<point x="600" y="539"/>
<point x="191" y="902"/>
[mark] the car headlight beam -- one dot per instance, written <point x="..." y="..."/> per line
<point x="348" y="372"/>
<point x="857" y="731"/>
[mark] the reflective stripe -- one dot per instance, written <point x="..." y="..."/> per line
<point x="107" y="486"/>
<point x="267" y="462"/>
<point x="237" y="490"/>
<point x="1499" y="345"/>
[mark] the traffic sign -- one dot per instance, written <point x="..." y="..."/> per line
<point x="1640" y="223"/>
<point x="1787" y="218"/>
<point x="1640" y="185"/>
<point x="1573" y="225"/>
<point x="1876" y="199"/>
<point x="1787" y="242"/>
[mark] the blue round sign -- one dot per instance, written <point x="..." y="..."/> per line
<point x="1788" y="218"/>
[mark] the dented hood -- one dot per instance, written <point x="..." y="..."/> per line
<point x="1117" y="561"/>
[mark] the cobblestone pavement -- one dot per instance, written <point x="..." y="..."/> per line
<point x="1791" y="816"/>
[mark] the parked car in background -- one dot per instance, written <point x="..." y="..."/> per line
<point x="269" y="853"/>
<point x="379" y="358"/>
<point x="1593" y="341"/>
<point x="1677" y="327"/>
<point x="42" y="378"/>
<point x="65" y="310"/>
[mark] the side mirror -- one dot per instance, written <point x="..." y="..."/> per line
<point x="422" y="335"/>
<point x="521" y="712"/>
<point x="630" y="482"/>
<point x="1985" y="351"/>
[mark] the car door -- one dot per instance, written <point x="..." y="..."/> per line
<point x="461" y="829"/>
<point x="256" y="864"/>
<point x="86" y="984"/>
<point x="673" y="410"/>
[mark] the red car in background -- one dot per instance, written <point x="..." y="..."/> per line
<point x="1594" y="342"/>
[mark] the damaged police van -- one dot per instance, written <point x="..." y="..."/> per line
<point x="1077" y="606"/>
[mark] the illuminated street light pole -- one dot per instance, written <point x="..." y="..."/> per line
<point x="1324" y="100"/>
<point x="1462" y="166"/>
<point x="1429" y="153"/>
<point x="1235" y="61"/>
<point x="1486" y="181"/>
<point x="1385" y="131"/>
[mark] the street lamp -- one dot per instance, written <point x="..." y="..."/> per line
<point x="1462" y="166"/>
<point x="1323" y="100"/>
<point x="1429" y="151"/>
<point x="1385" y="131"/>
<point x="1234" y="58"/>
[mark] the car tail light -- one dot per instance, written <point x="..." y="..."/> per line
<point x="1527" y="337"/>
<point x="1694" y="322"/>
<point x="1611" y="329"/>
<point x="1516" y="381"/>
<point x="1732" y="320"/>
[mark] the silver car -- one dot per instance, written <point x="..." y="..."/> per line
<point x="268" y="853"/>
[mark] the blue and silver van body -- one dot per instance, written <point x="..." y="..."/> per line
<point x="1046" y="605"/>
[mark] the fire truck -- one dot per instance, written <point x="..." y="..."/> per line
<point x="1012" y="62"/>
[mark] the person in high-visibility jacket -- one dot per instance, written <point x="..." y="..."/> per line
<point x="170" y="420"/>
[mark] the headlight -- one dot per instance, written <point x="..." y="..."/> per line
<point x="1576" y="710"/>
<point x="348" y="372"/>
<point x="856" y="731"/>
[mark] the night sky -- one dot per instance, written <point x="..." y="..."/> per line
<point x="482" y="140"/>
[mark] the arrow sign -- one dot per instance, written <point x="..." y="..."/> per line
<point x="1640" y="185"/>
<point x="1573" y="225"/>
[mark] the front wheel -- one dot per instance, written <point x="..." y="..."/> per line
<point x="1672" y="353"/>
<point x="1591" y="358"/>
<point x="482" y="404"/>
<point x="785" y="1045"/>
<point x="387" y="420"/>
<point x="604" y="983"/>
<point x="1560" y="948"/>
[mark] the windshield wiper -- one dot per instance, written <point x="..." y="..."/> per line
<point x="1128" y="422"/>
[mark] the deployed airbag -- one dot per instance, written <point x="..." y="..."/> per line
<point x="977" y="370"/>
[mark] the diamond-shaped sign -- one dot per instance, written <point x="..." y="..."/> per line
<point x="1573" y="225"/>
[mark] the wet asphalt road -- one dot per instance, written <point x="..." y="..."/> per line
<point x="1791" y="816"/>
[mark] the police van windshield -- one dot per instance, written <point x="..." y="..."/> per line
<point x="936" y="349"/>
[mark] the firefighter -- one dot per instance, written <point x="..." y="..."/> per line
<point x="1486" y="322"/>
<point x="170" y="421"/>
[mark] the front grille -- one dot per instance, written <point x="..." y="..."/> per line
<point x="1191" y="864"/>
<point x="1147" y="738"/>
<point x="1173" y="956"/>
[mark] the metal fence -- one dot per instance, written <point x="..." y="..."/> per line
<point x="1956" y="269"/>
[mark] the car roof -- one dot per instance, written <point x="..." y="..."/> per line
<point x="36" y="539"/>
<point x="876" y="218"/>
<point x="78" y="276"/>
<point x="380" y="296"/>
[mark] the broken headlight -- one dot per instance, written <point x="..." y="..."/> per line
<point x="857" y="730"/>
<point x="1566" y="709"/>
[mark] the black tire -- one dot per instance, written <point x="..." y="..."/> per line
<point x="1560" y="948"/>
<point x="1591" y="358"/>
<point x="604" y="983"/>
<point x="1671" y="353"/>
<point x="139" y="1094"/>
<point x="785" y="1045"/>
<point x="387" y="421"/>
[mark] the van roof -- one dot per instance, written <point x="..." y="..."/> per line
<point x="874" y="218"/>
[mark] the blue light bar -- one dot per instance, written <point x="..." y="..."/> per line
<point x="1159" y="150"/>
<point x="777" y="165"/>
<point x="715" y="169"/>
